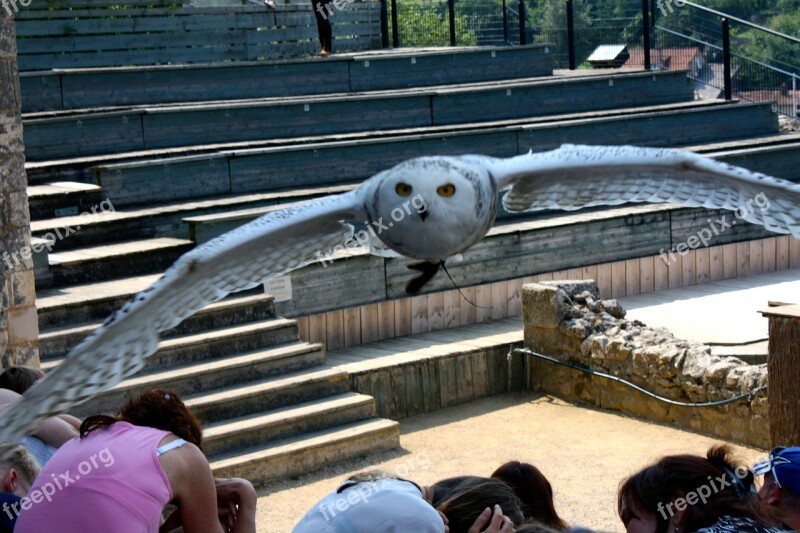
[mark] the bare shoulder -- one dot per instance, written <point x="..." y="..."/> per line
<point x="184" y="465"/>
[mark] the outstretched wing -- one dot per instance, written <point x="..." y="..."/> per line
<point x="572" y="177"/>
<point x="276" y="243"/>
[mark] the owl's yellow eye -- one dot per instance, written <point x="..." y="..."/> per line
<point x="403" y="189"/>
<point x="446" y="190"/>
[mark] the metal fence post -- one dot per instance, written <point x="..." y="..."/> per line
<point x="384" y="25"/>
<point x="571" y="35"/>
<point x="523" y="34"/>
<point x="505" y="23"/>
<point x="395" y="32"/>
<point x="795" y="110"/>
<point x="451" y="9"/>
<point x="726" y="58"/>
<point x="646" y="32"/>
<point x="653" y="13"/>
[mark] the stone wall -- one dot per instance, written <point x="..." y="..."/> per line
<point x="568" y="321"/>
<point x="19" y="329"/>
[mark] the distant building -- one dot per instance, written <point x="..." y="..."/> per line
<point x="785" y="101"/>
<point x="690" y="59"/>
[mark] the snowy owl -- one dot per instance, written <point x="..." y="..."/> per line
<point x="460" y="199"/>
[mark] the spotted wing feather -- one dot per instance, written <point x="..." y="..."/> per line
<point x="270" y="246"/>
<point x="573" y="177"/>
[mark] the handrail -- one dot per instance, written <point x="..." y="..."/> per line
<point x="740" y="21"/>
<point x="718" y="47"/>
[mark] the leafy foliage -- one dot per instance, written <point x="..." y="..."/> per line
<point x="423" y="23"/>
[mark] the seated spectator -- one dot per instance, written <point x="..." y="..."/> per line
<point x="123" y="470"/>
<point x="17" y="473"/>
<point x="20" y="378"/>
<point x="371" y="502"/>
<point x="781" y="487"/>
<point x="50" y="434"/>
<point x="463" y="499"/>
<point x="534" y="491"/>
<point x="684" y="493"/>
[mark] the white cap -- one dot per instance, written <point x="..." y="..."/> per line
<point x="385" y="505"/>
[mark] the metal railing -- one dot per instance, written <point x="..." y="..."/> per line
<point x="725" y="55"/>
<point x="733" y="56"/>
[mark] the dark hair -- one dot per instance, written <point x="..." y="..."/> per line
<point x="534" y="527"/>
<point x="673" y="475"/>
<point x="19" y="378"/>
<point x="156" y="408"/>
<point x="533" y="490"/>
<point x="462" y="499"/>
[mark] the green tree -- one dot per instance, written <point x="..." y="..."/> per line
<point x="427" y="24"/>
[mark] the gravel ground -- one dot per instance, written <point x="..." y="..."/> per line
<point x="583" y="452"/>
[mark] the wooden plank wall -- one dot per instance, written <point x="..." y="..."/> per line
<point x="447" y="309"/>
<point x="75" y="36"/>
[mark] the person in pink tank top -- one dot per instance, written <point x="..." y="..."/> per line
<point x="123" y="470"/>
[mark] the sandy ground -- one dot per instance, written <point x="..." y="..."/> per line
<point x="583" y="452"/>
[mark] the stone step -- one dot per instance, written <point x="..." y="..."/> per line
<point x="87" y="302"/>
<point x="166" y="218"/>
<point x="385" y="69"/>
<point x="301" y="165"/>
<point x="270" y="393"/>
<point x="245" y="432"/>
<point x="104" y="167"/>
<point x="57" y="341"/>
<point x="210" y="345"/>
<point x="308" y="452"/>
<point x="62" y="199"/>
<point x="203" y="376"/>
<point x="771" y="154"/>
<point x="62" y="134"/>
<point x="103" y="262"/>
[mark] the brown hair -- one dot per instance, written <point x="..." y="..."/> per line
<point x="19" y="378"/>
<point x="156" y="408"/>
<point x="462" y="499"/>
<point x="533" y="490"/>
<point x="674" y="475"/>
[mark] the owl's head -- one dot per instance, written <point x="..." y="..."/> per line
<point x="429" y="208"/>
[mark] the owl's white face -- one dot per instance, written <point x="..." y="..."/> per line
<point x="432" y="208"/>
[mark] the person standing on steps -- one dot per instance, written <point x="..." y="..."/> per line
<point x="322" y="12"/>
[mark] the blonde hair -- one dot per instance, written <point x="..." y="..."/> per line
<point x="17" y="457"/>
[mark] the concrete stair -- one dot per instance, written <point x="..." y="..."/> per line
<point x="262" y="394"/>
<point x="106" y="261"/>
<point x="270" y="406"/>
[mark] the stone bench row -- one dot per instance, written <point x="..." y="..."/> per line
<point x="337" y="162"/>
<point x="340" y="73"/>
<point x="109" y="36"/>
<point x="72" y="135"/>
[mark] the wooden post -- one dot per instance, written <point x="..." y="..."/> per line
<point x="783" y="369"/>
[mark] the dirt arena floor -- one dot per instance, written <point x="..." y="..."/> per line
<point x="583" y="452"/>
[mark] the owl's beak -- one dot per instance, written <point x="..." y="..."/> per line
<point x="423" y="215"/>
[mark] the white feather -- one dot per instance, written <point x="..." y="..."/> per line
<point x="572" y="177"/>
<point x="268" y="247"/>
<point x="568" y="178"/>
